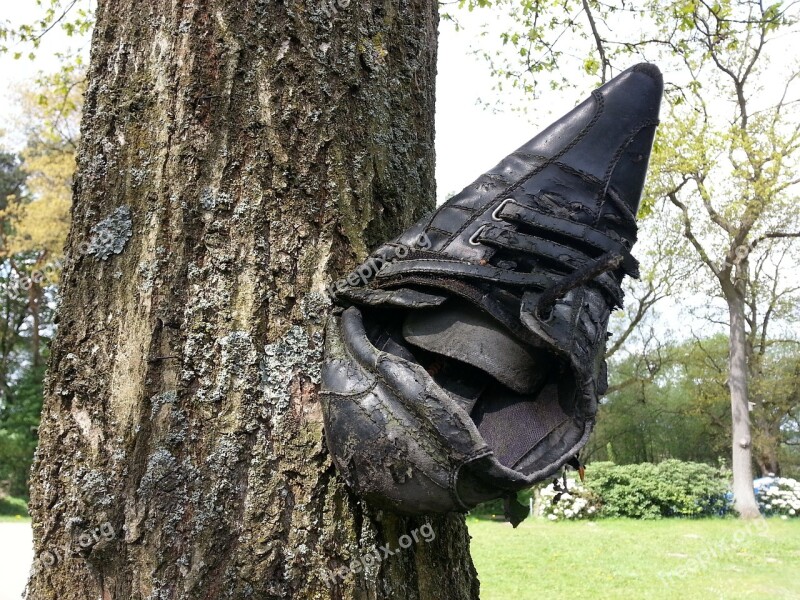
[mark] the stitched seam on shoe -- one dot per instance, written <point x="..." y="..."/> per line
<point x="598" y="112"/>
<point x="497" y="178"/>
<point x="423" y="444"/>
<point x="613" y="164"/>
<point x="350" y="396"/>
<point x="588" y="177"/>
<point x="617" y="200"/>
<point x="466" y="208"/>
<point x="529" y="156"/>
<point x="432" y="228"/>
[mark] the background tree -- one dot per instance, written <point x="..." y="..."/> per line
<point x="34" y="219"/>
<point x="731" y="180"/>
<point x="16" y="438"/>
<point x="641" y="337"/>
<point x="726" y="154"/>
<point x="73" y="17"/>
<point x="233" y="157"/>
<point x="681" y="412"/>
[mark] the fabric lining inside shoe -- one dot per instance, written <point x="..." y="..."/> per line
<point x="513" y="425"/>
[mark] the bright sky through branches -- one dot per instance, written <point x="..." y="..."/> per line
<point x="469" y="139"/>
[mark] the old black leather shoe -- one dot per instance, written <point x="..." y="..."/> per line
<point x="466" y="360"/>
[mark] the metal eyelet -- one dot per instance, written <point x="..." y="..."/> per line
<point x="473" y="240"/>
<point x="496" y="211"/>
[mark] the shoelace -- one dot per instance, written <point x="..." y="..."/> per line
<point x="612" y="259"/>
<point x="585" y="252"/>
<point x="604" y="264"/>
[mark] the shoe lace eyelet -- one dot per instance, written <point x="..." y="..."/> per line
<point x="496" y="212"/>
<point x="473" y="240"/>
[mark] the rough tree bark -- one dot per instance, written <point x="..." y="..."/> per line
<point x="235" y="155"/>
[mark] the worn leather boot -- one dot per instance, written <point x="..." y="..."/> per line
<point x="467" y="358"/>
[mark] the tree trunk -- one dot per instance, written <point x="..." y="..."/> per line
<point x="742" y="459"/>
<point x="34" y="306"/>
<point x="235" y="155"/>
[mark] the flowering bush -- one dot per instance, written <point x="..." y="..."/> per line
<point x="779" y="496"/>
<point x="577" y="502"/>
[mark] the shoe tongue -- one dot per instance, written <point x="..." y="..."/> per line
<point x="464" y="333"/>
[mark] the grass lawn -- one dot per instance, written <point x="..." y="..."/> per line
<point x="608" y="559"/>
<point x="20" y="519"/>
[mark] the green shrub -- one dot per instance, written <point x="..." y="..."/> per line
<point x="13" y="507"/>
<point x="494" y="508"/>
<point x="672" y="488"/>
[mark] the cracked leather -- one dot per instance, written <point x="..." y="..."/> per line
<point x="469" y="367"/>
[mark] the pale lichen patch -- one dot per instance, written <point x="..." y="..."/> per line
<point x="162" y="399"/>
<point x="237" y="353"/>
<point x="160" y="475"/>
<point x="295" y="353"/>
<point x="314" y="306"/>
<point x="110" y="235"/>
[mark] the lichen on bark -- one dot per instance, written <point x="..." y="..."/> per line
<point x="111" y="234"/>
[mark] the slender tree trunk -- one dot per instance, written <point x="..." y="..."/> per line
<point x="234" y="156"/>
<point x="34" y="306"/>
<point x="742" y="457"/>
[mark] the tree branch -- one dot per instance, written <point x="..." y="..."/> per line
<point x="689" y="234"/>
<point x="597" y="39"/>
